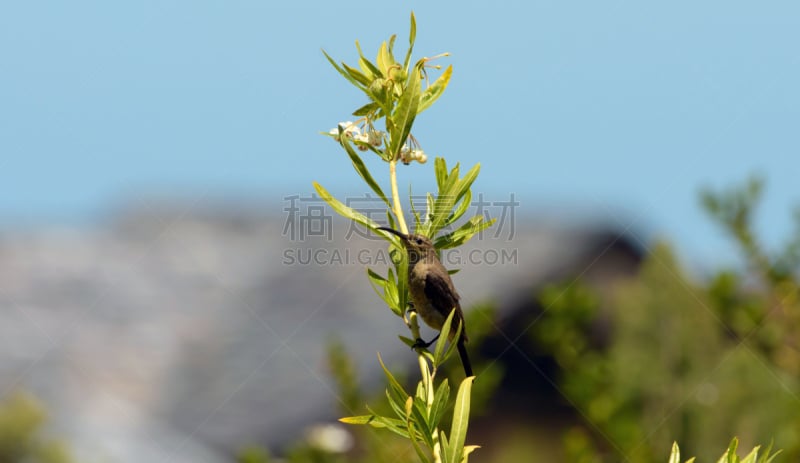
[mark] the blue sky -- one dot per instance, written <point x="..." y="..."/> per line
<point x="619" y="109"/>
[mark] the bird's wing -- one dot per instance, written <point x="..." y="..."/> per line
<point x="441" y="293"/>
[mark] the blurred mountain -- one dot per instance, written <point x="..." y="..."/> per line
<point x="179" y="334"/>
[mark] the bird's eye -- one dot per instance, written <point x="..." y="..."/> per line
<point x="419" y="240"/>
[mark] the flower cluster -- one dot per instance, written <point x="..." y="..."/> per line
<point x="347" y="128"/>
<point x="362" y="137"/>
<point x="366" y="137"/>
<point x="408" y="154"/>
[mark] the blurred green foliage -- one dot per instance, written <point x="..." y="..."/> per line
<point x="684" y="361"/>
<point x="22" y="438"/>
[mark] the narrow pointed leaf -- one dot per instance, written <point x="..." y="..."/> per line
<point x="406" y="110"/>
<point x="675" y="456"/>
<point x="423" y="457"/>
<point x="341" y="209"/>
<point x="362" y="63"/>
<point x="440" y="169"/>
<point x="440" y="400"/>
<point x="413" y="432"/>
<point x="453" y="345"/>
<point x="397" y="405"/>
<point x="402" y="281"/>
<point x="444" y="445"/>
<point x="377" y="281"/>
<point x="463" y="233"/>
<point x="363" y="172"/>
<point x="357" y="75"/>
<point x="366" y="109"/>
<point x="440" y="344"/>
<point x="412" y="37"/>
<point x="752" y="457"/>
<point x="766" y="457"/>
<point x="435" y="90"/>
<point x="466" y="182"/>
<point x="343" y="72"/>
<point x="384" y="59"/>
<point x="458" y="430"/>
<point x="394" y="385"/>
<point x="461" y="208"/>
<point x="367" y="64"/>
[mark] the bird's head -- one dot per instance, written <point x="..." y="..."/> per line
<point x="416" y="245"/>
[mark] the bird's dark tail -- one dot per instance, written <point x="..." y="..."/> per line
<point x="462" y="352"/>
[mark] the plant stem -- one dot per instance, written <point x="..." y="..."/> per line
<point x="398" y="209"/>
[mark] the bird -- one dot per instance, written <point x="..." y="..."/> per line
<point x="432" y="291"/>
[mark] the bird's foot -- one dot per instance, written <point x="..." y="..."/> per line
<point x="420" y="343"/>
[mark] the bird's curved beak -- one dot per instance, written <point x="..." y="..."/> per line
<point x="402" y="236"/>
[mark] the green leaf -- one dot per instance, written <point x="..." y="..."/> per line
<point x="411" y="431"/>
<point x="453" y="345"/>
<point x="440" y="169"/>
<point x="392" y="293"/>
<point x="380" y="92"/>
<point x="412" y="37"/>
<point x="367" y="64"/>
<point x="730" y="455"/>
<point x="384" y="59"/>
<point x="675" y="456"/>
<point x="376" y="421"/>
<point x="366" y="109"/>
<point x="377" y="281"/>
<point x="357" y="75"/>
<point x="423" y="457"/>
<point x="364" y="419"/>
<point x="463" y="233"/>
<point x="394" y="385"/>
<point x="458" y="429"/>
<point x="362" y="170"/>
<point x="766" y="458"/>
<point x="444" y="447"/>
<point x="439" y="350"/>
<point x="752" y="457"/>
<point x="461" y="208"/>
<point x="445" y="200"/>
<point x="419" y="418"/>
<point x="466" y="182"/>
<point x="397" y="405"/>
<point x="343" y="210"/>
<point x="369" y="69"/>
<point x="435" y="90"/>
<point x="402" y="278"/>
<point x="451" y="182"/>
<point x="406" y="110"/>
<point x="439" y="406"/>
<point x="343" y="72"/>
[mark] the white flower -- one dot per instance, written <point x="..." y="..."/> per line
<point x="406" y="154"/>
<point x="347" y="128"/>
